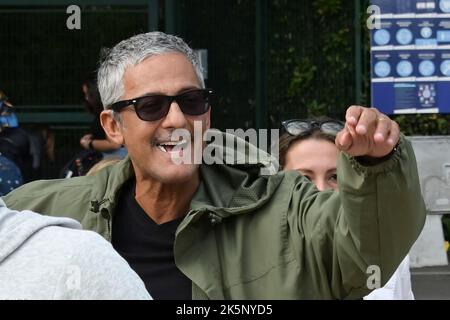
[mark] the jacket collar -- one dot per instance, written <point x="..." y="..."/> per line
<point x="107" y="184"/>
<point x="231" y="188"/>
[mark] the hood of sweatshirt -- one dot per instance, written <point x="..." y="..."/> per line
<point x="17" y="227"/>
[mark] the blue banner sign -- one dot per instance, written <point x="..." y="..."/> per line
<point x="410" y="55"/>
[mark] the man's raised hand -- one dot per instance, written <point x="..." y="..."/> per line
<point x="367" y="132"/>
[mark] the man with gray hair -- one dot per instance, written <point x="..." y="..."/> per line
<point x="224" y="231"/>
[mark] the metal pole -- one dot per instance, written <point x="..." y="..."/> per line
<point x="153" y="15"/>
<point x="261" y="65"/>
<point x="358" y="53"/>
<point x="70" y="2"/>
<point x="170" y="11"/>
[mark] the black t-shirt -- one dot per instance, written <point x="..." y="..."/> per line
<point x="148" y="248"/>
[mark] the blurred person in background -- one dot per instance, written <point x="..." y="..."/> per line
<point x="22" y="148"/>
<point x="95" y="143"/>
<point x="11" y="165"/>
<point x="96" y="138"/>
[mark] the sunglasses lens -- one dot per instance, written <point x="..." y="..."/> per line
<point x="296" y="128"/>
<point x="152" y="108"/>
<point x="156" y="107"/>
<point x="194" y="103"/>
<point x="332" y="127"/>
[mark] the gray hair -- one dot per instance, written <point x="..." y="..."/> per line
<point x="133" y="51"/>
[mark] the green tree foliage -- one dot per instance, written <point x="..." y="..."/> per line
<point x="433" y="124"/>
<point x="310" y="59"/>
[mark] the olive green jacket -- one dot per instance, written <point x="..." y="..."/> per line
<point x="249" y="236"/>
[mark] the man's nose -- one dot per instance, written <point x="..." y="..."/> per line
<point x="175" y="118"/>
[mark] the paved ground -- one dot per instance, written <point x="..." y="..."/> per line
<point x="431" y="283"/>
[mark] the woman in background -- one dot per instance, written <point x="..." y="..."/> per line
<point x="308" y="146"/>
<point x="95" y="138"/>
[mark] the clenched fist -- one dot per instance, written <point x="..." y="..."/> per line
<point x="367" y="132"/>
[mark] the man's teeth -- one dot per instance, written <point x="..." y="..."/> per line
<point x="171" y="143"/>
<point x="162" y="146"/>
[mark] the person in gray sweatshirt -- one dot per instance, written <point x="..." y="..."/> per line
<point x="51" y="258"/>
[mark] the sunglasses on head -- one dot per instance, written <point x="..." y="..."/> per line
<point x="297" y="127"/>
<point x="155" y="107"/>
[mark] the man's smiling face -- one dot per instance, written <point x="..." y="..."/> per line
<point x="149" y="143"/>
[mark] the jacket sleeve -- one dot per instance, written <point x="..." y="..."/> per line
<point x="352" y="241"/>
<point x="62" y="198"/>
<point x="39" y="196"/>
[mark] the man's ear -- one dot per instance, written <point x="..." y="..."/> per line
<point x="112" y="126"/>
<point x="208" y="119"/>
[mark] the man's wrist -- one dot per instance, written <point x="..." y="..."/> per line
<point x="90" y="145"/>
<point x="371" y="161"/>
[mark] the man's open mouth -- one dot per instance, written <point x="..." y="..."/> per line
<point x="169" y="146"/>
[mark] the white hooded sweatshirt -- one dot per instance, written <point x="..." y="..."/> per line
<point x="51" y="258"/>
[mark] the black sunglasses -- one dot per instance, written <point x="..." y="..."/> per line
<point x="155" y="107"/>
<point x="297" y="127"/>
